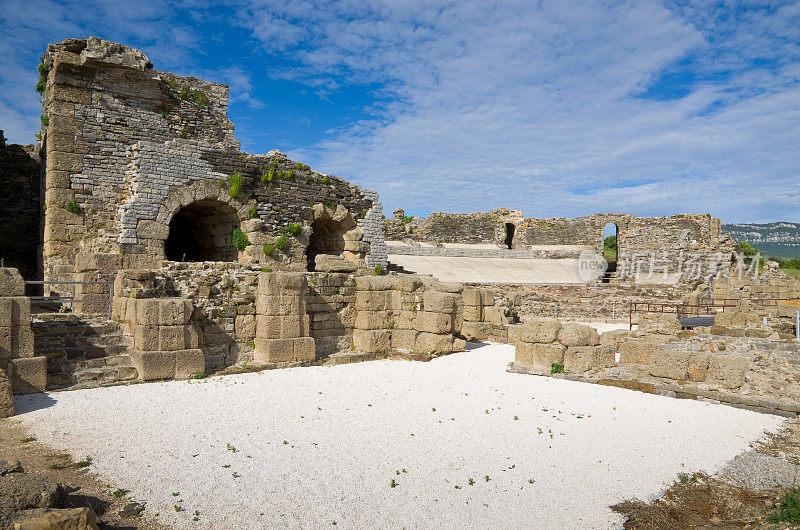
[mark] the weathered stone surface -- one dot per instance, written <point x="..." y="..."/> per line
<point x="540" y="354"/>
<point x="153" y="365"/>
<point x="404" y="340"/>
<point x="28" y="375"/>
<point x="579" y="359"/>
<point x="439" y="302"/>
<point x="372" y="341"/>
<point x="698" y="367"/>
<point x="639" y="350"/>
<point x="371" y="301"/>
<point x="434" y="343"/>
<point x="11" y="282"/>
<point x="55" y="519"/>
<point x="282" y="327"/>
<point x="515" y="332"/>
<point x="541" y="331"/>
<point x="6" y="397"/>
<point x="373" y="320"/>
<point x="475" y="331"/>
<point x="661" y="323"/>
<point x="331" y="263"/>
<point x="670" y="363"/>
<point x="572" y="334"/>
<point x="727" y="370"/>
<point x="25" y="491"/>
<point x="284" y="350"/>
<point x="432" y="322"/>
<point x="189" y="363"/>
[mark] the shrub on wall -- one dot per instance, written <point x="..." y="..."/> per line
<point x="281" y="243"/>
<point x="41" y="84"/>
<point x="253" y="212"/>
<point x="239" y="238"/>
<point x="295" y="229"/>
<point x="73" y="207"/>
<point x="269" y="248"/>
<point x="235" y="182"/>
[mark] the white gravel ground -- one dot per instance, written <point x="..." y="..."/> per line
<point x="318" y="445"/>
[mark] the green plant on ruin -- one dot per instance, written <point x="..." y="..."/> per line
<point x="73" y="207"/>
<point x="235" y="182"/>
<point x="239" y="238"/>
<point x="295" y="229"/>
<point x="164" y="110"/>
<point x="41" y="83"/>
<point x="289" y="175"/>
<point x="269" y="248"/>
<point x="45" y="120"/>
<point x="266" y="269"/>
<point x="221" y="182"/>
<point x="199" y="97"/>
<point x="121" y="120"/>
<point x="408" y="218"/>
<point x="185" y="93"/>
<point x="378" y="270"/>
<point x="281" y="243"/>
<point x="267" y="176"/>
<point x="120" y="493"/>
<point x="789" y="509"/>
<point x="253" y="212"/>
<point x="326" y="180"/>
<point x="330" y="203"/>
<point x="556" y="368"/>
<point x="184" y="134"/>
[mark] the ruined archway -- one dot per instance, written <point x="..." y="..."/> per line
<point x="610" y="249"/>
<point x="327" y="237"/>
<point x="201" y="231"/>
<point x="334" y="232"/>
<point x="510" y="228"/>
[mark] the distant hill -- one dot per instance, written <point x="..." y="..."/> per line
<point x="773" y="239"/>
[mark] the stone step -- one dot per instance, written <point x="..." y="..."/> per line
<point x="93" y="377"/>
<point x="58" y="366"/>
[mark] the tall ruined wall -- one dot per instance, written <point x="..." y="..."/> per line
<point x="474" y="228"/>
<point x="127" y="147"/>
<point x="20" y="208"/>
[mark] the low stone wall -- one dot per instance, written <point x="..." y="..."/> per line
<point x="27" y="372"/>
<point x="330" y="305"/>
<point x="282" y="324"/>
<point x="550" y="345"/>
<point x="499" y="253"/>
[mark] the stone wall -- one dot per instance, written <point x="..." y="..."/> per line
<point x="132" y="152"/>
<point x="553" y="346"/>
<point x="20" y="208"/>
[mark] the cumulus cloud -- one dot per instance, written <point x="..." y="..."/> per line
<point x="560" y="108"/>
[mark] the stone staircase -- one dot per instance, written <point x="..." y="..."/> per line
<point x="83" y="351"/>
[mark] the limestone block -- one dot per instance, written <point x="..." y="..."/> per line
<point x="11" y="282"/>
<point x="147" y="229"/>
<point x="165" y="338"/>
<point x="153" y="365"/>
<point x="475" y="331"/>
<point x="15" y="311"/>
<point x="434" y="343"/>
<point x="331" y="263"/>
<point x="376" y="283"/>
<point x="6" y="397"/>
<point x="282" y="327"/>
<point x="579" y="359"/>
<point x="70" y="93"/>
<point x="28" y="375"/>
<point x="433" y="322"/>
<point x="662" y="323"/>
<point x="615" y="337"/>
<point x="245" y="326"/>
<point x="189" y="362"/>
<point x="540" y="354"/>
<point x="284" y="350"/>
<point x="473" y="313"/>
<point x="372" y="320"/>
<point x="698" y="367"/>
<point x="280" y="305"/>
<point x="6" y="342"/>
<point x="472" y="296"/>
<point x="540" y="331"/>
<point x="22" y="342"/>
<point x="514" y="333"/>
<point x="459" y="344"/>
<point x="404" y="340"/>
<point x="487" y="297"/>
<point x="54" y="519"/>
<point x="372" y="341"/>
<point x="572" y="334"/>
<point x="281" y="282"/>
<point x="638" y="350"/>
<point x="494" y="315"/>
<point x="727" y="370"/>
<point x="371" y="301"/>
<point x="670" y="363"/>
<point x="439" y="302"/>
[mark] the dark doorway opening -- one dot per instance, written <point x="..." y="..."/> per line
<point x="201" y="231"/>
<point x="509" y="229"/>
<point x="327" y="237"/>
<point x="610" y="250"/>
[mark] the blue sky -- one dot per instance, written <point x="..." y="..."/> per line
<point x="557" y="108"/>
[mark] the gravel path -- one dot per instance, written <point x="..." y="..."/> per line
<point x="323" y="444"/>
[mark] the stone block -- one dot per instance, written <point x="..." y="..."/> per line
<point x="473" y="313"/>
<point x="537" y="354"/>
<point x="281" y="282"/>
<point x="572" y="334"/>
<point x="615" y="337"/>
<point x="540" y="331"/>
<point x="698" y="367"/>
<point x="29" y="375"/>
<point x="428" y="322"/>
<point x="494" y="315"/>
<point x="376" y="283"/>
<point x="6" y="342"/>
<point x="475" y="331"/>
<point x="22" y="342"/>
<point x="487" y="297"/>
<point x="153" y="365"/>
<point x="434" y="343"/>
<point x="165" y="338"/>
<point x="282" y="327"/>
<point x="70" y="94"/>
<point x="189" y="362"/>
<point x="6" y="396"/>
<point x="284" y="350"/>
<point x="372" y="320"/>
<point x="404" y="340"/>
<point x="332" y="263"/>
<point x="472" y="296"/>
<point x="72" y="162"/>
<point x="372" y="341"/>
<point x="148" y="229"/>
<point x="661" y="323"/>
<point x="371" y="301"/>
<point x="514" y="333"/>
<point x="579" y="359"/>
<point x="280" y="304"/>
<point x="245" y="326"/>
<point x="438" y="302"/>
<point x="54" y="519"/>
<point x="11" y="282"/>
<point x="670" y="363"/>
<point x="727" y="370"/>
<point x="459" y="344"/>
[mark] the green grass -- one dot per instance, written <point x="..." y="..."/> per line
<point x="73" y="207"/>
<point x="235" y="183"/>
<point x="556" y="368"/>
<point x="269" y="249"/>
<point x="789" y="510"/>
<point x="253" y="212"/>
<point x="281" y="243"/>
<point x="239" y="238"/>
<point x="295" y="229"/>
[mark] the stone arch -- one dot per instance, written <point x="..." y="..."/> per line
<point x="202" y="199"/>
<point x="334" y="232"/>
<point x="201" y="231"/>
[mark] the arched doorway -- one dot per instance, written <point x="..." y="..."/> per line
<point x="201" y="231"/>
<point x="510" y="228"/>
<point x="327" y="237"/>
<point x="610" y="249"/>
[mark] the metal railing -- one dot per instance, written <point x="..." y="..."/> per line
<point x="681" y="309"/>
<point x="72" y="300"/>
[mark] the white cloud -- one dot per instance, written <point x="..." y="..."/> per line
<point x="536" y="105"/>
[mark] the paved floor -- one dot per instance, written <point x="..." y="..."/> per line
<point x="492" y="270"/>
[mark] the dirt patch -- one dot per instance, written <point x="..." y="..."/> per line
<point x="700" y="501"/>
<point x="112" y="504"/>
